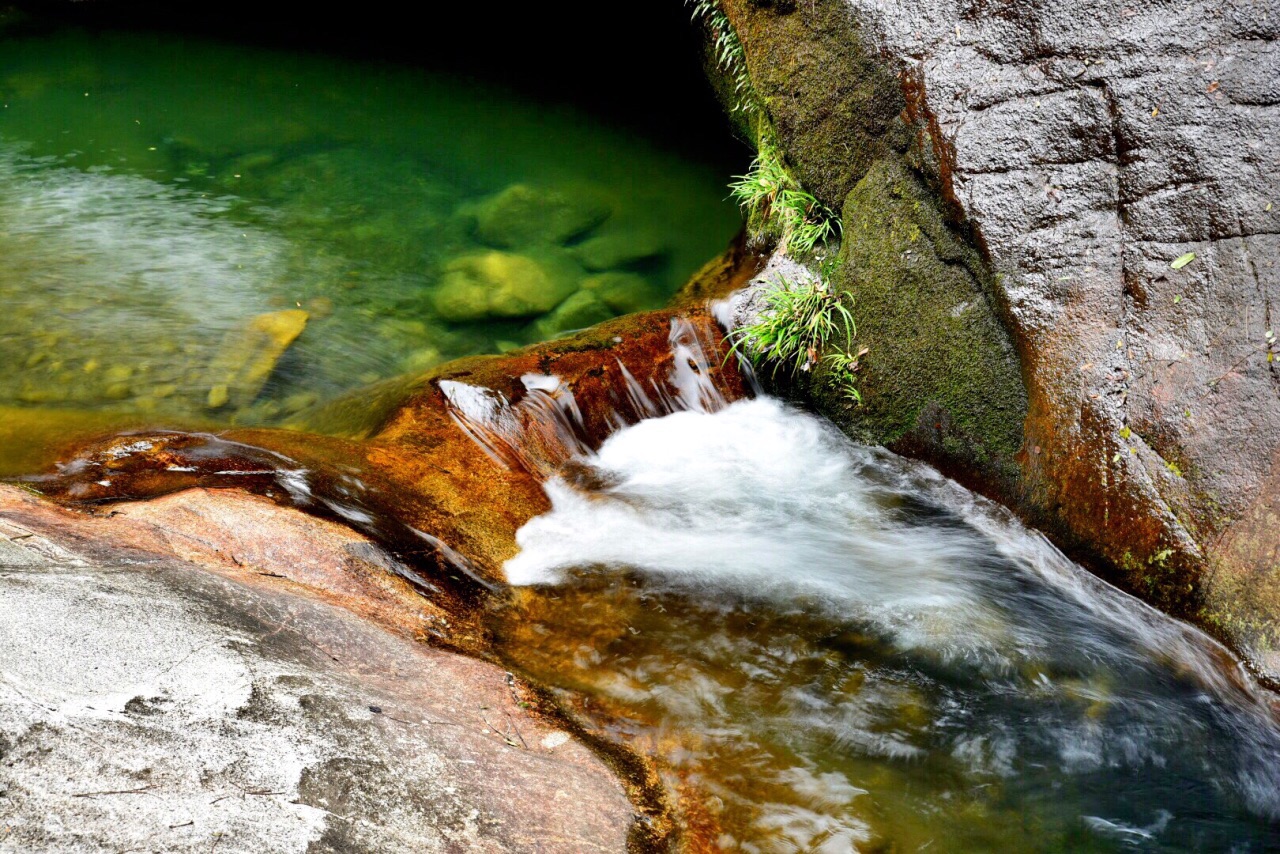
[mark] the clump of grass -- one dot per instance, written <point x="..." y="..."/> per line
<point x="843" y="369"/>
<point x="726" y="48"/>
<point x="798" y="322"/>
<point x="769" y="192"/>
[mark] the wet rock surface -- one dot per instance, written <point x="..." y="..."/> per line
<point x="175" y="682"/>
<point x="1083" y="146"/>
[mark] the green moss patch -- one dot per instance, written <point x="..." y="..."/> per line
<point x="940" y="371"/>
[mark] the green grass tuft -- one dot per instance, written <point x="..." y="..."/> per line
<point x="727" y="49"/>
<point x="769" y="192"/>
<point x="798" y="322"/>
<point x="842" y="369"/>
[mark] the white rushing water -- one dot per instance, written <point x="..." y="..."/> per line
<point x="1033" y="669"/>
<point x="775" y="504"/>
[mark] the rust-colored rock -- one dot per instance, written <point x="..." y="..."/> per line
<point x="246" y="537"/>
<point x="420" y="481"/>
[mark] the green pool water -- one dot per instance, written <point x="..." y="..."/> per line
<point x="164" y="200"/>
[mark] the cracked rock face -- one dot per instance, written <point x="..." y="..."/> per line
<point x="1086" y="145"/>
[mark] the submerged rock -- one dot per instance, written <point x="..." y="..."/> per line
<point x="523" y="215"/>
<point x="25" y="433"/>
<point x="579" y="311"/>
<point x="625" y="293"/>
<point x="445" y="463"/>
<point x="248" y="356"/>
<point x="502" y="284"/>
<point x="618" y="249"/>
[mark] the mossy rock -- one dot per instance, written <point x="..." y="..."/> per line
<point x="522" y="215"/>
<point x="579" y="311"/>
<point x="503" y="284"/>
<point x="625" y="293"/>
<point x="941" y="377"/>
<point x="832" y="102"/>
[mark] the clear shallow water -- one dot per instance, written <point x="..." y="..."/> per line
<point x="831" y="648"/>
<point x="158" y="193"/>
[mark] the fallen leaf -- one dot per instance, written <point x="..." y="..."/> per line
<point x="1213" y="87"/>
<point x="1155" y="111"/>
<point x="1177" y="299"/>
<point x="1183" y="260"/>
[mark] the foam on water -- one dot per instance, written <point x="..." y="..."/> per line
<point x="730" y="499"/>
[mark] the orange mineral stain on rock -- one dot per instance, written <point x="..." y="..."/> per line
<point x="419" y="476"/>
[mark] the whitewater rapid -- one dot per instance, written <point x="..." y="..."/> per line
<point x="1033" y="669"/>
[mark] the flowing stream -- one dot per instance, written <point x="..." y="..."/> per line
<point x="824" y="647"/>
<point x="829" y="647"/>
